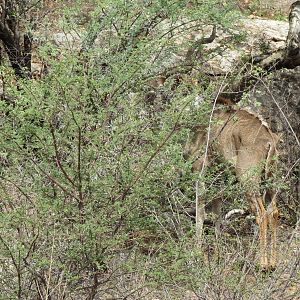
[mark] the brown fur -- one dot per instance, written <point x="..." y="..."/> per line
<point x="245" y="140"/>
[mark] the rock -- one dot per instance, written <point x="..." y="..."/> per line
<point x="279" y="97"/>
<point x="67" y="40"/>
<point x="262" y="36"/>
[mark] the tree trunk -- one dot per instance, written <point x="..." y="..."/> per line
<point x="19" y="53"/>
<point x="293" y="39"/>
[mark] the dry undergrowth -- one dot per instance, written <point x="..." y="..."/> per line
<point x="228" y="269"/>
<point x="232" y="273"/>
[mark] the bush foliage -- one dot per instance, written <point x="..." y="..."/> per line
<point x="92" y="171"/>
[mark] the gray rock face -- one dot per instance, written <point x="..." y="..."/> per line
<point x="279" y="96"/>
<point x="261" y="36"/>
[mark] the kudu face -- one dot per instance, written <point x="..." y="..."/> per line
<point x="246" y="141"/>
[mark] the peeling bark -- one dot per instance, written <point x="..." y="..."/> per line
<point x="289" y="57"/>
<point x="293" y="39"/>
<point x="18" y="50"/>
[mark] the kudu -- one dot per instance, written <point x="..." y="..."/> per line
<point x="246" y="141"/>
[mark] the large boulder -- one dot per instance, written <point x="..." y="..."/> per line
<point x="278" y="96"/>
<point x="257" y="37"/>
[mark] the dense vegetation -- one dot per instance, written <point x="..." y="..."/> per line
<point x="93" y="184"/>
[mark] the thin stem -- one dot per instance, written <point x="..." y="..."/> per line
<point x="57" y="158"/>
<point x="79" y="170"/>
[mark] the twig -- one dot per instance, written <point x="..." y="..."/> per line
<point x="79" y="169"/>
<point x="200" y="208"/>
<point x="57" y="158"/>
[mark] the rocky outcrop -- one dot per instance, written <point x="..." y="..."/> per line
<point x="253" y="37"/>
<point x="257" y="37"/>
<point x="278" y="96"/>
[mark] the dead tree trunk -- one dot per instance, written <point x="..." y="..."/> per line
<point x="287" y="58"/>
<point x="290" y="56"/>
<point x="293" y="39"/>
<point x="18" y="48"/>
<point x="292" y="53"/>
